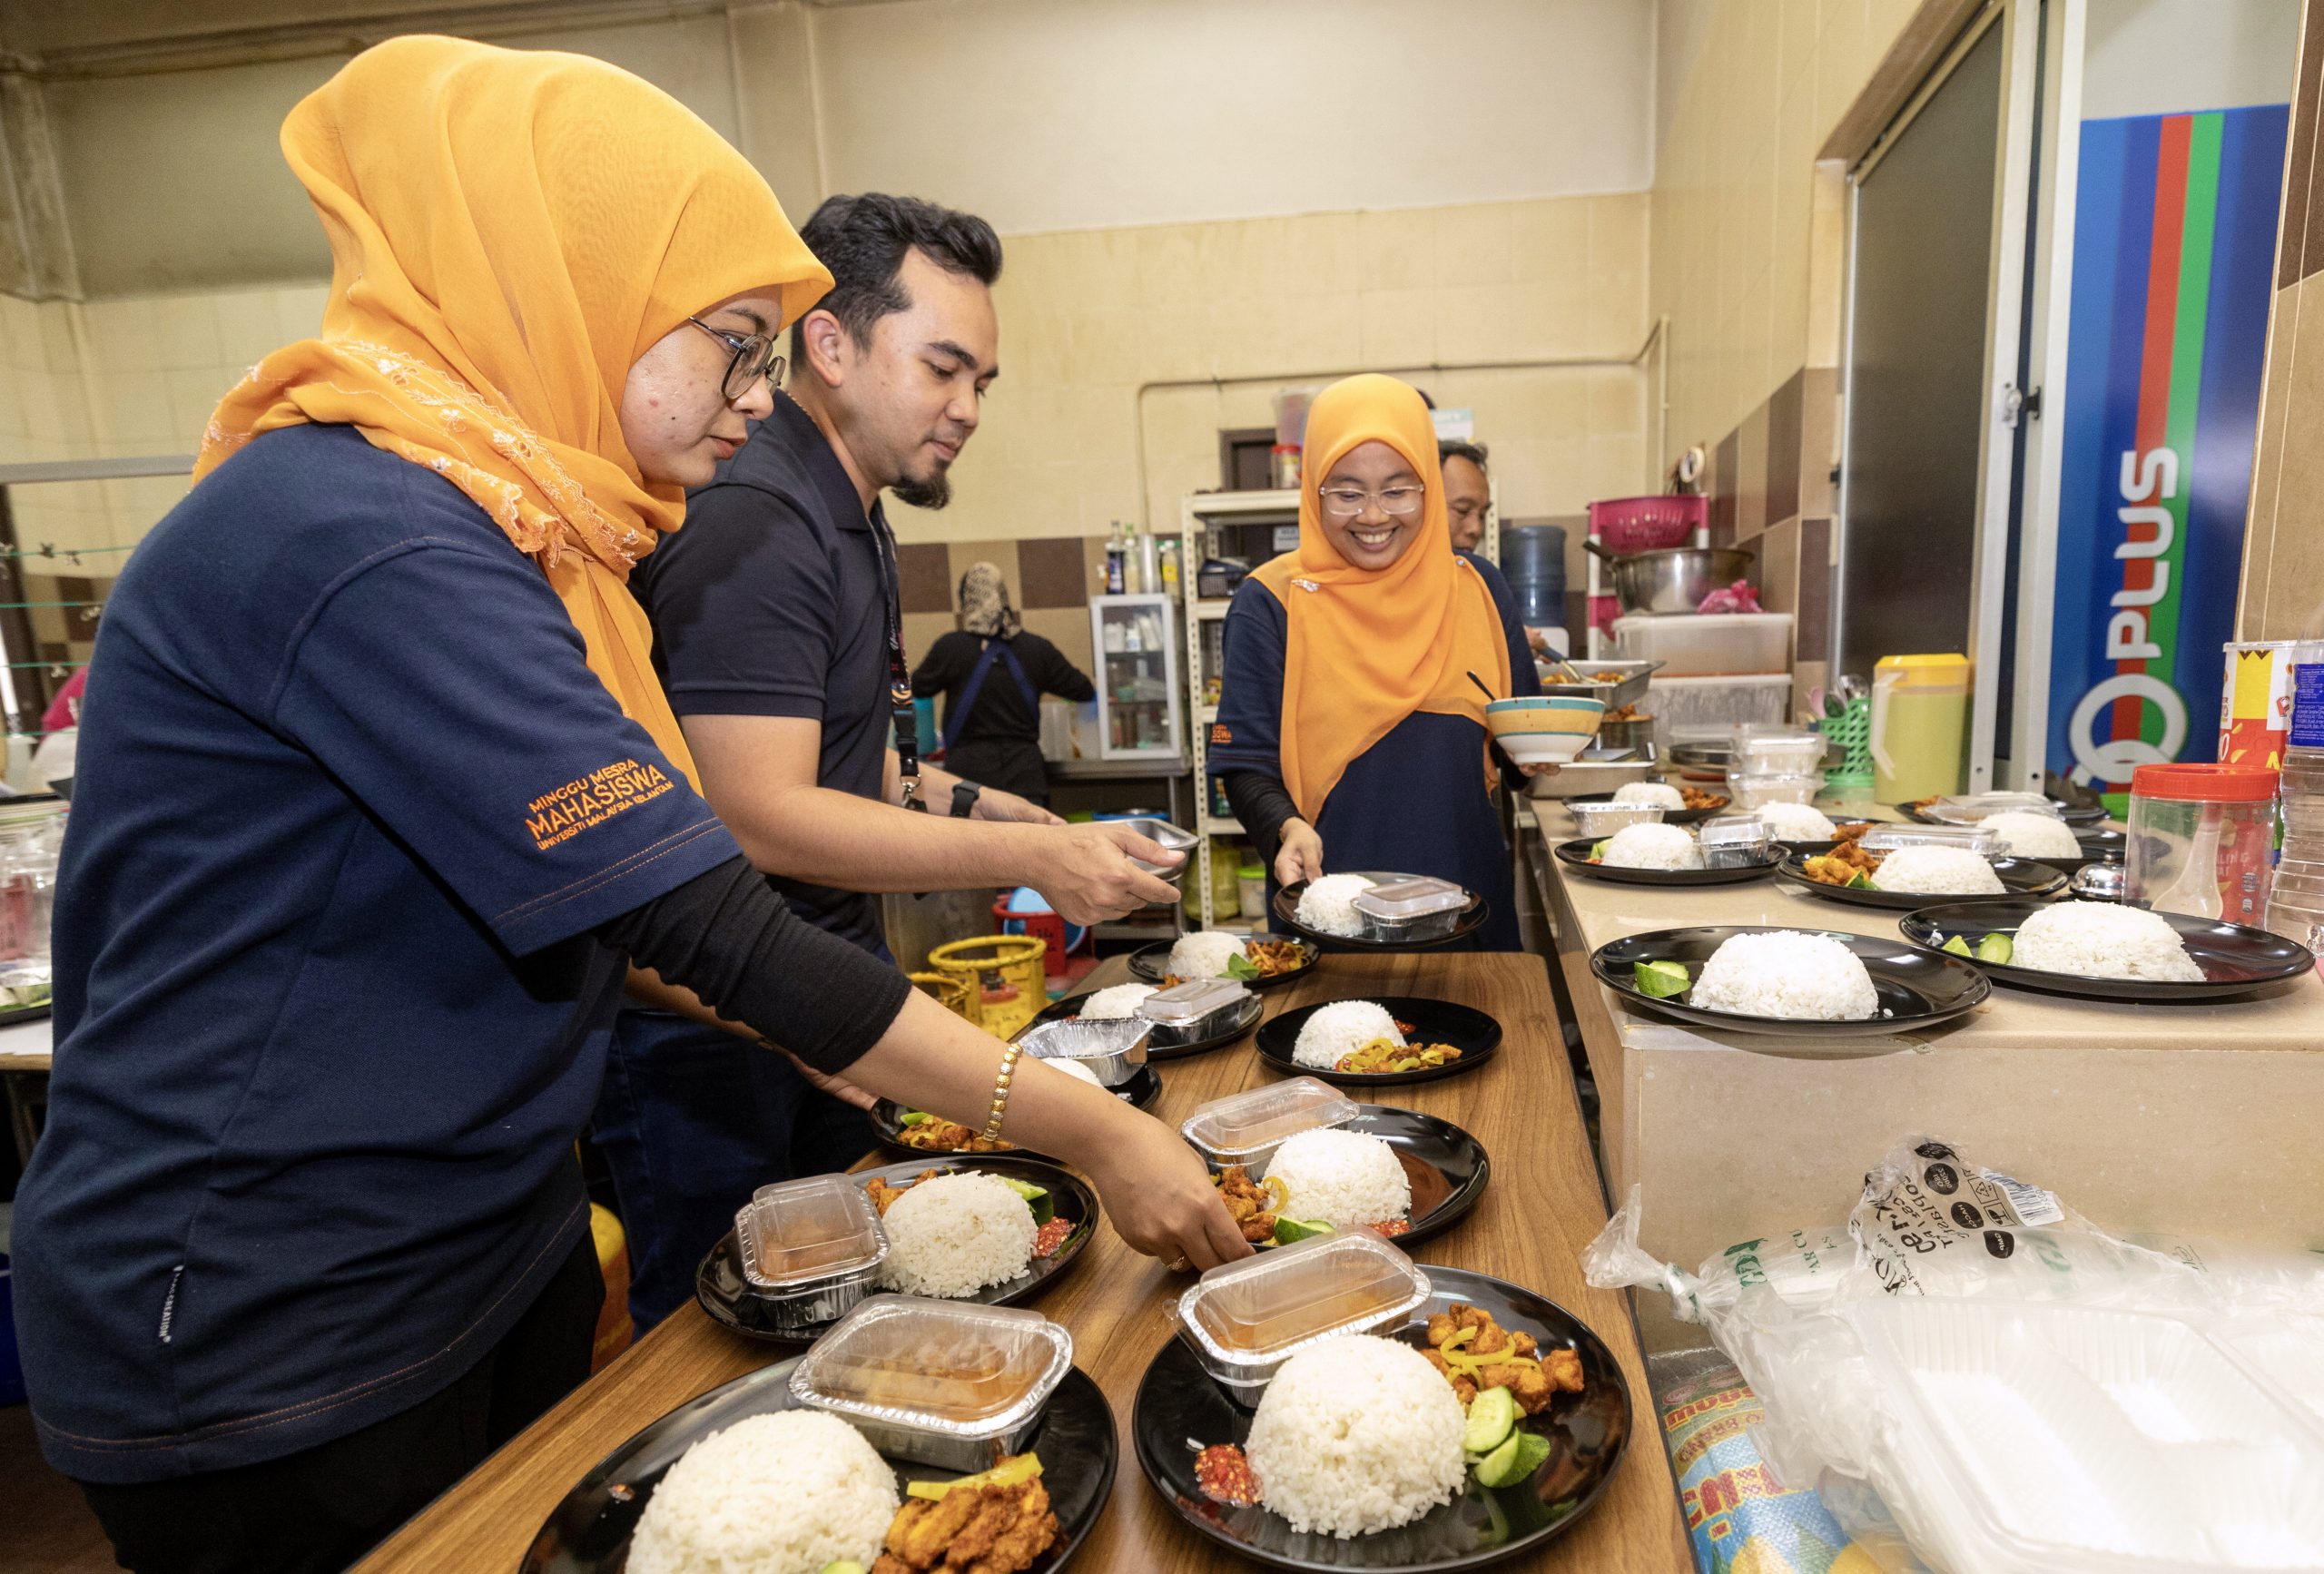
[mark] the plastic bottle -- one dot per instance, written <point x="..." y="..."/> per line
<point x="1116" y="552"/>
<point x="2296" y="900"/>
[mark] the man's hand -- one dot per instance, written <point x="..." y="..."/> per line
<point x="1085" y="872"/>
<point x="993" y="803"/>
<point x="1299" y="853"/>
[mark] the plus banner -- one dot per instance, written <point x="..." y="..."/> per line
<point x="2173" y="256"/>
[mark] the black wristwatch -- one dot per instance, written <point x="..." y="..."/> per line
<point x="964" y="799"/>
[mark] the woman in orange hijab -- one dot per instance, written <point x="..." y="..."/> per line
<point x="1349" y="733"/>
<point x="379" y="795"/>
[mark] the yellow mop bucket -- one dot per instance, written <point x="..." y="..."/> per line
<point x="1006" y="975"/>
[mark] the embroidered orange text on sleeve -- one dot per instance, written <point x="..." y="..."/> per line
<point x="591" y="800"/>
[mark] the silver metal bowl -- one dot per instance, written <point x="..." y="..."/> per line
<point x="1675" y="580"/>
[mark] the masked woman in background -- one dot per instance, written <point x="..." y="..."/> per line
<point x="1349" y="735"/>
<point x="378" y="798"/>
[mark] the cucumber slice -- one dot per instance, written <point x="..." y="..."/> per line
<point x="1512" y="1461"/>
<point x="1958" y="947"/>
<point x="1660" y="980"/>
<point x="915" y="1118"/>
<point x="1289" y="1230"/>
<point x="1598" y="849"/>
<point x="842" y="1566"/>
<point x="1493" y="1416"/>
<point x="1995" y="948"/>
<point x="1036" y="1197"/>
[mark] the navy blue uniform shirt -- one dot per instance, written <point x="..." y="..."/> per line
<point x="1415" y="802"/>
<point x="769" y="603"/>
<point x="328" y="1013"/>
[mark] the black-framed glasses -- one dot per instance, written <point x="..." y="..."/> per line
<point x="754" y="358"/>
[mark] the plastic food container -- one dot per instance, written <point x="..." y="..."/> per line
<point x="811" y="1249"/>
<point x="1246" y="1318"/>
<point x="1112" y="1050"/>
<point x="1734" y="842"/>
<point x="1196" y="1008"/>
<point x="1969" y="808"/>
<point x="1776" y="752"/>
<point x="1708" y="710"/>
<point x="1889" y="837"/>
<point x="2202" y="840"/>
<point x="946" y="1385"/>
<point x="1421" y="907"/>
<point x="1246" y="1127"/>
<point x="1694" y="645"/>
<point x="1596" y="821"/>
<point x="1750" y="791"/>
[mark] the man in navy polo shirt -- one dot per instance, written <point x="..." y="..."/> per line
<point x="778" y="634"/>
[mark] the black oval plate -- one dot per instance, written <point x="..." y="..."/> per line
<point x="727" y="1297"/>
<point x="1670" y="816"/>
<point x="1918" y="989"/>
<point x="2234" y="958"/>
<point x="1179" y="1409"/>
<point x="1286" y="913"/>
<point x="1575" y="855"/>
<point x="1474" y="1034"/>
<point x="2076" y="815"/>
<point x="1065" y="1010"/>
<point x="2097" y="847"/>
<point x="2021" y="879"/>
<point x="1447" y="1167"/>
<point x="1150" y="963"/>
<point x="588" y="1531"/>
<point x="1140" y="1091"/>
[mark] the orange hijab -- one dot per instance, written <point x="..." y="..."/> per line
<point x="1364" y="649"/>
<point x="509" y="232"/>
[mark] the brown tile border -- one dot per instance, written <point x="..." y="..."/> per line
<point x="1813" y="633"/>
<point x="1784" y="456"/>
<point x="1055" y="572"/>
<point x="2307" y="101"/>
<point x="924" y="576"/>
<point x="1724" y="479"/>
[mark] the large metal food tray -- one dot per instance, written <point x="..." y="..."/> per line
<point x="1630" y="691"/>
<point x="1580" y="778"/>
<point x="1718" y="755"/>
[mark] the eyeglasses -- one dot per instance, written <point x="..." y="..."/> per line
<point x="1347" y="502"/>
<point x="754" y="358"/>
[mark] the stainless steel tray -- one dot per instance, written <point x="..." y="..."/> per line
<point x="1627" y="691"/>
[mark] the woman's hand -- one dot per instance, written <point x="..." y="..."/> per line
<point x="1541" y="768"/>
<point x="1299" y="855"/>
<point x="1159" y="1196"/>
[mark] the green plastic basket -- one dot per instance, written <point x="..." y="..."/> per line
<point x="1852" y="729"/>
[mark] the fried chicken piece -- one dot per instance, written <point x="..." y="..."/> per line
<point x="1564" y="1367"/>
<point x="883" y="1194"/>
<point x="986" y="1530"/>
<point x="1251" y="1209"/>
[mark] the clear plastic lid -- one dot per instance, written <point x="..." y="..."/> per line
<point x="1968" y="807"/>
<point x="1749" y="791"/>
<point x="797" y="1232"/>
<point x="1774" y="751"/>
<point x="1182" y="1005"/>
<point x="1413" y="897"/>
<point x="962" y="1370"/>
<point x="1081" y="1039"/>
<point x="1253" y="1315"/>
<point x="1246" y="1127"/>
<point x="1889" y="837"/>
<point x="1748" y="831"/>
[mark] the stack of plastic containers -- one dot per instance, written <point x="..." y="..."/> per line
<point x="1774" y="765"/>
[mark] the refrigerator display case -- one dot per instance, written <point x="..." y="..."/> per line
<point x="1138" y="691"/>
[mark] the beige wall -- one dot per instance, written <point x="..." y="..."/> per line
<point x="1750" y="90"/>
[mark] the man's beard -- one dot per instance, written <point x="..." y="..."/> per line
<point x="930" y="491"/>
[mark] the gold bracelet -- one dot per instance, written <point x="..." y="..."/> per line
<point x="1000" y="1090"/>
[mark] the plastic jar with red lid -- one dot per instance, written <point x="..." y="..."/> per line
<point x="2202" y="840"/>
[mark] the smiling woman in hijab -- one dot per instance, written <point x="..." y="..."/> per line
<point x="1348" y="731"/>
<point x="992" y="675"/>
<point x="378" y="795"/>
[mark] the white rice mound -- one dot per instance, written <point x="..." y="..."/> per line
<point x="1205" y="953"/>
<point x="1660" y="793"/>
<point x="1796" y="823"/>
<point x="1652" y="845"/>
<point x="952" y="1234"/>
<point x="1356" y="1435"/>
<point x="2029" y="833"/>
<point x="1341" y="1029"/>
<point x="1787" y="973"/>
<point x="783" y="1493"/>
<point x="1328" y="904"/>
<point x="2102" y="939"/>
<point x="1345" y="1178"/>
<point x="1072" y="1067"/>
<point x="1115" y="1004"/>
<point x="1937" y="871"/>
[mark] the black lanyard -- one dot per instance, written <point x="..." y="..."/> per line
<point x="902" y="711"/>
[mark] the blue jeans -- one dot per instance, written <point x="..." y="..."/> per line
<point x="692" y="1120"/>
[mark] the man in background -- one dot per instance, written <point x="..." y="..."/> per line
<point x="1468" y="491"/>
<point x="778" y="633"/>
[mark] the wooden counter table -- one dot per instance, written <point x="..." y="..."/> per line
<point x="1541" y="1208"/>
<point x="2193" y="1119"/>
